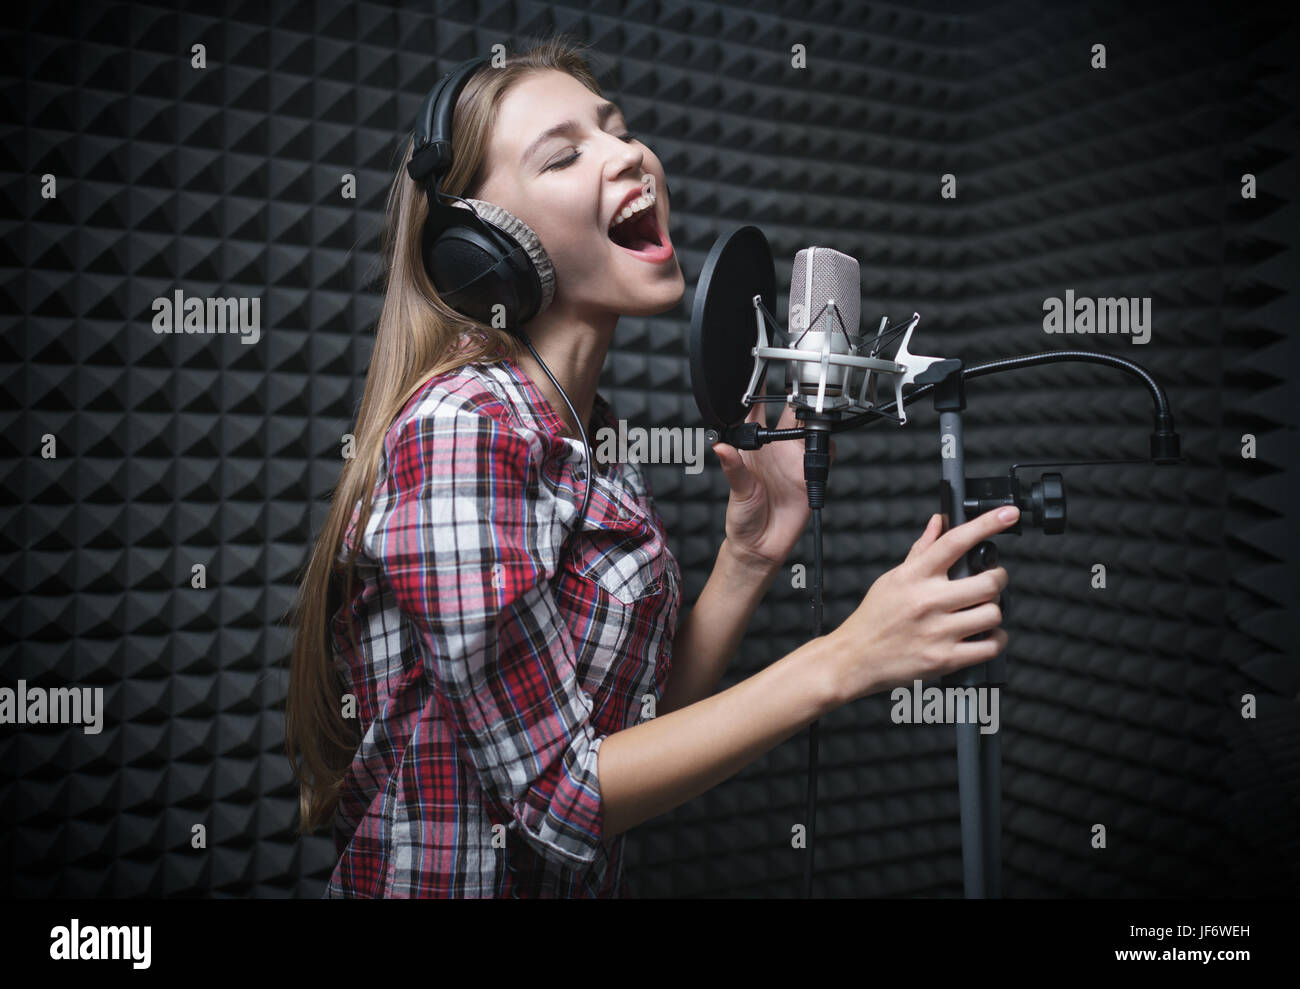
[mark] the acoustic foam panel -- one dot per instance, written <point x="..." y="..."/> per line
<point x="1122" y="704"/>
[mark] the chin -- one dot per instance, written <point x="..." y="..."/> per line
<point x="668" y="297"/>
<point x="678" y="292"/>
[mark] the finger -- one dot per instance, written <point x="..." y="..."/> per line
<point x="963" y="592"/>
<point x="958" y="541"/>
<point x="931" y="532"/>
<point x="981" y="618"/>
<point x="738" y="476"/>
<point x="980" y="651"/>
<point x="832" y="451"/>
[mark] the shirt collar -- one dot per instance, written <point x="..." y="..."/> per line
<point x="602" y="414"/>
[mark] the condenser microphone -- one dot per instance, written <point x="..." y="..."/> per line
<point x="831" y="369"/>
<point x="825" y="303"/>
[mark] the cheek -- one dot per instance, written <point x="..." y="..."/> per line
<point x="566" y="228"/>
<point x="575" y="245"/>
<point x="575" y="254"/>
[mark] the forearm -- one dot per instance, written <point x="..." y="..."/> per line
<point x="709" y="637"/>
<point x="657" y="765"/>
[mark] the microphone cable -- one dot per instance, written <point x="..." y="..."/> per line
<point x="812" y="728"/>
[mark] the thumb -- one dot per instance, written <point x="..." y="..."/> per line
<point x="933" y="530"/>
<point x="738" y="475"/>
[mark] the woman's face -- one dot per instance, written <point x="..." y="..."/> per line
<point x="568" y="187"/>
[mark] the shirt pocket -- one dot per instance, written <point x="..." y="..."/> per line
<point x="618" y="549"/>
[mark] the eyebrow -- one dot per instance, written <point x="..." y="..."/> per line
<point x="603" y="112"/>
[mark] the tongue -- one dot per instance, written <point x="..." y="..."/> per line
<point x="636" y="235"/>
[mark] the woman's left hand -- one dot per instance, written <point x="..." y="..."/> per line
<point x="767" y="510"/>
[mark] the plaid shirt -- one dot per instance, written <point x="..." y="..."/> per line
<point x="496" y="652"/>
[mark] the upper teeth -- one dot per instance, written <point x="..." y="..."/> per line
<point x="641" y="202"/>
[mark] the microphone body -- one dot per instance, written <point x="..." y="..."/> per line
<point x="825" y="305"/>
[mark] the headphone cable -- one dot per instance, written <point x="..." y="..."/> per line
<point x="586" y="494"/>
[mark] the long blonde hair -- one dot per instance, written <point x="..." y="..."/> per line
<point x="416" y="338"/>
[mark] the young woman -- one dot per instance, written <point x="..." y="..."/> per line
<point x="486" y="692"/>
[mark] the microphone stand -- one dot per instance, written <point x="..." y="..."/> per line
<point x="979" y="757"/>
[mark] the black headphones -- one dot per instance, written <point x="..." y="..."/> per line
<point x="477" y="255"/>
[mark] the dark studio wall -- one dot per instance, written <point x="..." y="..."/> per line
<point x="1123" y="704"/>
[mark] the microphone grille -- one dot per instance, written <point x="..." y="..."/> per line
<point x="820" y="274"/>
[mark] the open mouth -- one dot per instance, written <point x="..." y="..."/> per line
<point x="638" y="233"/>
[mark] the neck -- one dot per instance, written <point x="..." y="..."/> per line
<point x="574" y="348"/>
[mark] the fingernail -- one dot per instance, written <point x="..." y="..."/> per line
<point x="1009" y="514"/>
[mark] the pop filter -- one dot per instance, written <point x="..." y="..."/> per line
<point x="724" y="328"/>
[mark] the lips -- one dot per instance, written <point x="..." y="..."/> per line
<point x="641" y="236"/>
<point x="641" y="232"/>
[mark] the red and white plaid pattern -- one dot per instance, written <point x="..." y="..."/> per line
<point x="497" y="650"/>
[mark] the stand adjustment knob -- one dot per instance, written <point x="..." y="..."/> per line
<point x="982" y="557"/>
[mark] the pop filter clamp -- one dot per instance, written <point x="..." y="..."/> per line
<point x="742" y="257"/>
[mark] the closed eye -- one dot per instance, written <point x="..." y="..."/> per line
<point x="565" y="163"/>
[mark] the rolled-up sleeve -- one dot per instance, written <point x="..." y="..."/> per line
<point x="464" y="541"/>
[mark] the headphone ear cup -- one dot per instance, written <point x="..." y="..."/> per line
<point x="517" y="233"/>
<point x="474" y="272"/>
<point x="483" y="258"/>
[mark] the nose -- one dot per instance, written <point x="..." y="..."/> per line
<point x="627" y="156"/>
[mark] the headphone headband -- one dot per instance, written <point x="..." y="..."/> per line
<point x="432" y="152"/>
<point x="478" y="256"/>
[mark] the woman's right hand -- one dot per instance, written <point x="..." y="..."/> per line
<point x="911" y="623"/>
